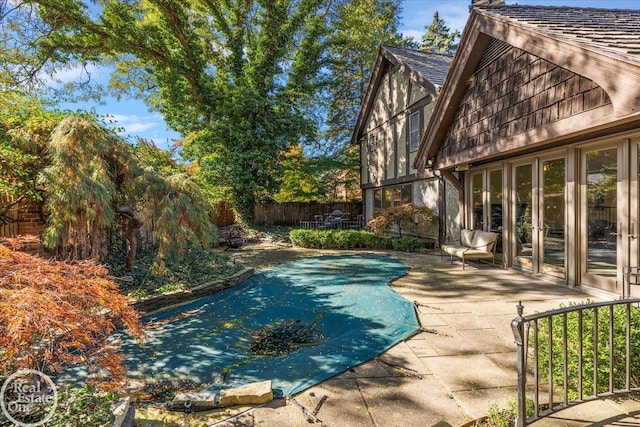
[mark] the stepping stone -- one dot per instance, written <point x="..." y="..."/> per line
<point x="186" y="401"/>
<point x="254" y="393"/>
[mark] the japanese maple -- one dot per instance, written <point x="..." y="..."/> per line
<point x="57" y="314"/>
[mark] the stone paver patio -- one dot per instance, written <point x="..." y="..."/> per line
<point x="448" y="375"/>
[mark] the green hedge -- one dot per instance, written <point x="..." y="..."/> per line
<point x="352" y="239"/>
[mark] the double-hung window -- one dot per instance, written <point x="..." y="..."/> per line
<point x="415" y="131"/>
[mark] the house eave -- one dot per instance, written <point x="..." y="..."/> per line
<point x="616" y="74"/>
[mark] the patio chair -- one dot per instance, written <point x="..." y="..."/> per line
<point x="318" y="222"/>
<point x="231" y="237"/>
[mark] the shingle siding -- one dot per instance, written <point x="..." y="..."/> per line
<point x="514" y="92"/>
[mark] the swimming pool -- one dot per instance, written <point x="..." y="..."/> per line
<point x="343" y="300"/>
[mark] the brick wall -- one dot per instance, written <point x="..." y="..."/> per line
<point x="21" y="219"/>
<point x="513" y="91"/>
<point x="24" y="218"/>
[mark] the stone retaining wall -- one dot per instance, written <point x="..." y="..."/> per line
<point x="156" y="302"/>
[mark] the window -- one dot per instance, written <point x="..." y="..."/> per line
<point x="407" y="194"/>
<point x="387" y="198"/>
<point x="377" y="201"/>
<point x="415" y="131"/>
<point x="392" y="197"/>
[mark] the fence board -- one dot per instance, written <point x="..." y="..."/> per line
<point x="293" y="212"/>
<point x="25" y="218"/>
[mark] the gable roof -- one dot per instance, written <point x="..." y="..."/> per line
<point x="426" y="66"/>
<point x="613" y="30"/>
<point x="427" y="69"/>
<point x="600" y="44"/>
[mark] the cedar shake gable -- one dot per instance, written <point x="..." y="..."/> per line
<point x="526" y="75"/>
<point x="429" y="70"/>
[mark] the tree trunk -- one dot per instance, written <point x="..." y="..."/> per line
<point x="244" y="205"/>
<point x="130" y="227"/>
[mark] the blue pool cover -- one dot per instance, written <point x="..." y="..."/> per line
<point x="207" y="341"/>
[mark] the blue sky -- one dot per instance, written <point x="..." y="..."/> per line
<point x="134" y="117"/>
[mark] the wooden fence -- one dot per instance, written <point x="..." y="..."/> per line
<point x="26" y="217"/>
<point x="292" y="213"/>
<point x="222" y="214"/>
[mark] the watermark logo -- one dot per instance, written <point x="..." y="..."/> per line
<point x="28" y="398"/>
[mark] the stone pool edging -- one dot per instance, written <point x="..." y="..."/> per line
<point x="155" y="302"/>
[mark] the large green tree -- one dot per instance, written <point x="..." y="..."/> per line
<point x="320" y="178"/>
<point x="360" y="27"/>
<point x="242" y="80"/>
<point x="234" y="76"/>
<point x="439" y="38"/>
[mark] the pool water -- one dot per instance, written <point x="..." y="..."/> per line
<point x="344" y="300"/>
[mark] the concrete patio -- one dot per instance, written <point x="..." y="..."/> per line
<point x="463" y="363"/>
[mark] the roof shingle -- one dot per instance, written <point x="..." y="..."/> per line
<point x="612" y="30"/>
<point x="430" y="66"/>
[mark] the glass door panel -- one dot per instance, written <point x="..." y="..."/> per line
<point x="552" y="231"/>
<point x="477" y="201"/>
<point x="523" y="199"/>
<point x="601" y="194"/>
<point x="634" y="217"/>
<point x="495" y="200"/>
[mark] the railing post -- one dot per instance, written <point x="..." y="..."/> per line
<point x="517" y="325"/>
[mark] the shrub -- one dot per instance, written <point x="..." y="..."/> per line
<point x="56" y="314"/>
<point x="351" y="239"/>
<point x="619" y="350"/>
<point x="84" y="406"/>
<point x="407" y="244"/>
<point x="419" y="220"/>
<point x="506" y="416"/>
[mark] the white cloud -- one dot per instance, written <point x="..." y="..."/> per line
<point x="76" y="73"/>
<point x="415" y="34"/>
<point x="140" y="127"/>
<point x="133" y="123"/>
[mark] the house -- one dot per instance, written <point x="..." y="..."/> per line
<point x="396" y="108"/>
<point x="538" y="121"/>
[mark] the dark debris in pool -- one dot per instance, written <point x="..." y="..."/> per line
<point x="283" y="338"/>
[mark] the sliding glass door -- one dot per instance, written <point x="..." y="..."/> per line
<point x="551" y="232"/>
<point x="539" y="218"/>
<point x="525" y="216"/>
<point x="603" y="222"/>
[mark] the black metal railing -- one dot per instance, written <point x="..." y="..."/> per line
<point x="578" y="353"/>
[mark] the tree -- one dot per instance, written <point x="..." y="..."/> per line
<point x="240" y="79"/>
<point x="54" y="315"/>
<point x="25" y="126"/>
<point x="438" y="38"/>
<point x="300" y="178"/>
<point x="94" y="177"/>
<point x="89" y="170"/>
<point x="360" y="27"/>
<point x="320" y="178"/>
<point x="420" y="220"/>
<point x="232" y="76"/>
